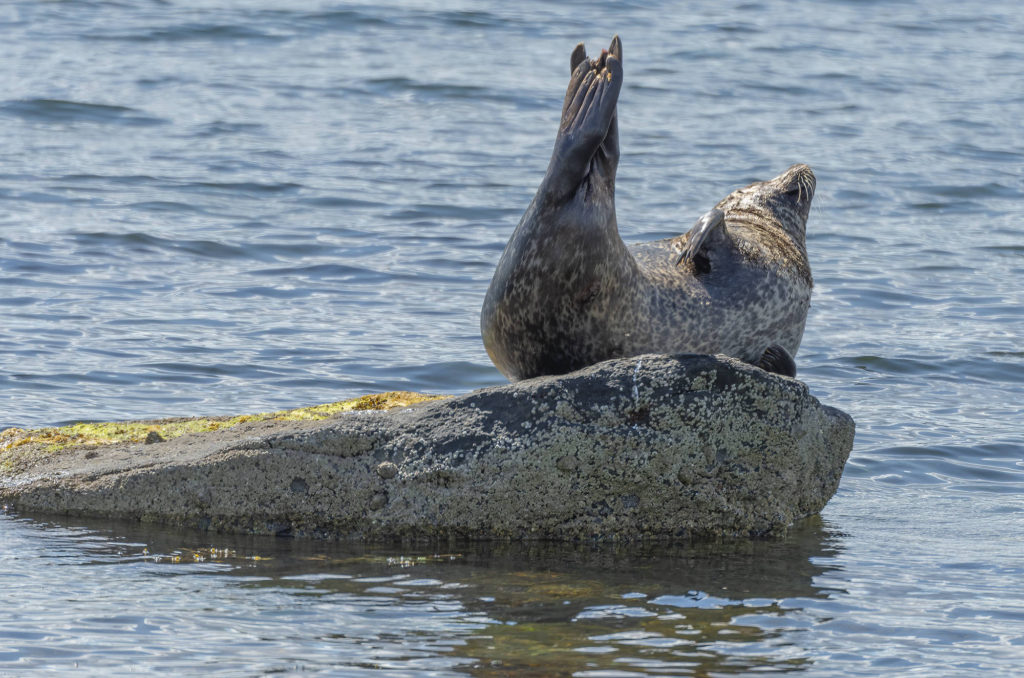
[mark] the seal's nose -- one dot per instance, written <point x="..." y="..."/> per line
<point x="798" y="180"/>
<point x="799" y="170"/>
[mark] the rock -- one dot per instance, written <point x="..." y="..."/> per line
<point x="653" y="447"/>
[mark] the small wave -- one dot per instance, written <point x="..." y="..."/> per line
<point x="18" y="301"/>
<point x="94" y="377"/>
<point x="190" y="32"/>
<point x="987" y="154"/>
<point x="351" y="274"/>
<point x="1008" y="249"/>
<point x="140" y="321"/>
<point x="166" y="206"/>
<point x="144" y="242"/>
<point x="940" y="205"/>
<point x="262" y="291"/>
<point x="338" y="201"/>
<point x="842" y="238"/>
<point x="474" y="19"/>
<point x="467" y="213"/>
<point x="839" y="76"/>
<point x="989" y="190"/>
<point x="203" y="372"/>
<point x="447" y="90"/>
<point x="252" y="187"/>
<point x="127" y="179"/>
<point x="991" y="467"/>
<point x="40" y="198"/>
<point x="430" y="89"/>
<point x="273" y="250"/>
<point x="344" y="18"/>
<point x="457" y="375"/>
<point x="353" y="19"/>
<point x="766" y="86"/>
<point x="943" y="268"/>
<point x="879" y="298"/>
<point x="737" y="28"/>
<point x="59" y="110"/>
<point x="224" y="128"/>
<point x="944" y="368"/>
<point x="45" y="266"/>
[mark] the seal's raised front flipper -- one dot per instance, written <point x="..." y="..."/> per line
<point x="586" y="148"/>
<point x="704" y="235"/>
<point x="777" y="359"/>
<point x="608" y="151"/>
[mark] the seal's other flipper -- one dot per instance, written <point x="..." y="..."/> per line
<point x="705" y="234"/>
<point x="588" y="131"/>
<point x="777" y="359"/>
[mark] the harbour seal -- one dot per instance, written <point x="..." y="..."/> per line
<point x="568" y="293"/>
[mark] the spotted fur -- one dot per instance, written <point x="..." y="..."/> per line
<point x="568" y="293"/>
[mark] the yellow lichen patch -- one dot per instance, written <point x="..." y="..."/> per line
<point x="10" y="434"/>
<point x="374" y="401"/>
<point x="106" y="433"/>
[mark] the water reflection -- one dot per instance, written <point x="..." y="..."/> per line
<point x="483" y="609"/>
<point x="684" y="610"/>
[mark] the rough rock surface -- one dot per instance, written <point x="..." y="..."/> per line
<point x="651" y="447"/>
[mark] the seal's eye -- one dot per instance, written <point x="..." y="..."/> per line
<point x="796" y="193"/>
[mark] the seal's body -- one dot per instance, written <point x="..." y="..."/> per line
<point x="568" y="292"/>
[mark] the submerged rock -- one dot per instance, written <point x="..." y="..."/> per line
<point x="651" y="447"/>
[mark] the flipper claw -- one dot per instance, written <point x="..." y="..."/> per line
<point x="615" y="49"/>
<point x="579" y="55"/>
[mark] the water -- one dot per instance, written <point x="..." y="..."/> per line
<point x="214" y="208"/>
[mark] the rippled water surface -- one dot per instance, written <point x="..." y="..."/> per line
<point x="213" y="208"/>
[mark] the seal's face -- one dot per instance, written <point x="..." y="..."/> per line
<point x="787" y="198"/>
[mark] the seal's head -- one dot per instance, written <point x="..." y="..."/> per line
<point x="786" y="199"/>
